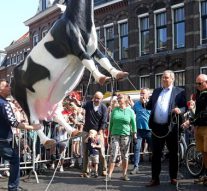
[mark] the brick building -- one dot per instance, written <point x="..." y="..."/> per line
<point x="143" y="37"/>
<point x="15" y="53"/>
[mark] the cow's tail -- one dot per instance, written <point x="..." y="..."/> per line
<point x="18" y="90"/>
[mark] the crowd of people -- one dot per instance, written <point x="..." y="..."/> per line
<point x="155" y="119"/>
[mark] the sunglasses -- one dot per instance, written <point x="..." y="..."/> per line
<point x="199" y="83"/>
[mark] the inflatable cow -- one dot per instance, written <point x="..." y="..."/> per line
<point x="56" y="64"/>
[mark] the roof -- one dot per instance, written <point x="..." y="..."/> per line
<point x="24" y="38"/>
<point x="26" y="35"/>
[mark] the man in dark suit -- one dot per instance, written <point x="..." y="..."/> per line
<point x="166" y="105"/>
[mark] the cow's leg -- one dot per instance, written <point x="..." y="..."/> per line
<point x="58" y="118"/>
<point x="81" y="52"/>
<point x="105" y="63"/>
<point x="99" y="77"/>
<point x="47" y="142"/>
<point x="70" y="130"/>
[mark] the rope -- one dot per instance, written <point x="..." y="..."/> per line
<point x="112" y="95"/>
<point x="117" y="65"/>
<point x="177" y="183"/>
<point x="58" y="165"/>
<point x="84" y="98"/>
<point x="173" y="120"/>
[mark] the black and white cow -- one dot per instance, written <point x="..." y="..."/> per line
<point x="56" y="64"/>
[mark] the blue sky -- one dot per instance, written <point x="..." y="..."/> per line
<point x="13" y="14"/>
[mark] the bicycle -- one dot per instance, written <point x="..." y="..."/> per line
<point x="182" y="147"/>
<point x="194" y="160"/>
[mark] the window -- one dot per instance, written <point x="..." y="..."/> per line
<point x="158" y="80"/>
<point x="204" y="70"/>
<point x="144" y="81"/>
<point x="161" y="31"/>
<point x="144" y="35"/>
<point x="115" y="86"/>
<point x="204" y="22"/>
<point x="44" y="5"/>
<point x="8" y="61"/>
<point x="109" y="38"/>
<point x="44" y="32"/>
<point x="25" y="54"/>
<point x="14" y="59"/>
<point x="98" y="32"/>
<point x="179" y="28"/>
<point x="179" y="78"/>
<point x="35" y="39"/>
<point x="123" y="32"/>
<point x="18" y="58"/>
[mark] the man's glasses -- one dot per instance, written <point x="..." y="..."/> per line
<point x="199" y="83"/>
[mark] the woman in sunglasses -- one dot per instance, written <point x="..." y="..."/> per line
<point x="122" y="124"/>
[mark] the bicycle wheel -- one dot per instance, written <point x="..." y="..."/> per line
<point x="181" y="152"/>
<point x="194" y="160"/>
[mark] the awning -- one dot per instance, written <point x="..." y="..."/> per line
<point x="134" y="95"/>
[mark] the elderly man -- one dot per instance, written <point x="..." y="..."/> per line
<point x="95" y="118"/>
<point x="166" y="104"/>
<point x="200" y="119"/>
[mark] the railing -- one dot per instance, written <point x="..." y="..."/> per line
<point x="33" y="155"/>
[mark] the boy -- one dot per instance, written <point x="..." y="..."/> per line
<point x="93" y="146"/>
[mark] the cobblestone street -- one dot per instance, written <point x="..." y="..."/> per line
<point x="70" y="180"/>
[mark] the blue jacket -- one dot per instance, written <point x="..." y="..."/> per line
<point x="142" y="116"/>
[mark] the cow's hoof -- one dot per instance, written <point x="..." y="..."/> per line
<point x="103" y="80"/>
<point x="76" y="133"/>
<point x="49" y="143"/>
<point x="121" y="75"/>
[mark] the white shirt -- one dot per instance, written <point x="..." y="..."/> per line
<point x="95" y="107"/>
<point x="162" y="106"/>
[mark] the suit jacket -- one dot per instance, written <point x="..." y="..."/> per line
<point x="177" y="99"/>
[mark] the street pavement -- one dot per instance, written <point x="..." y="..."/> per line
<point x="70" y="180"/>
